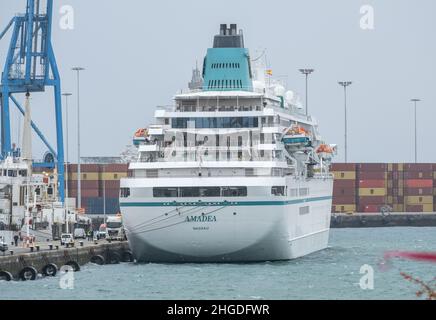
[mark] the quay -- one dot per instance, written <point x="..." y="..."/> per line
<point x="46" y="259"/>
<point x="371" y="220"/>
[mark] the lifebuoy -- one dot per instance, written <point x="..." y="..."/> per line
<point x="74" y="265"/>
<point x="127" y="256"/>
<point x="98" y="259"/>
<point x="28" y="273"/>
<point x="5" y="276"/>
<point x="50" y="270"/>
<point x="114" y="258"/>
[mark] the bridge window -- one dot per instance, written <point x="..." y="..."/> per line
<point x="165" y="192"/>
<point x="278" y="191"/>
<point x="234" y="191"/>
<point x="187" y="192"/>
<point x="124" y="192"/>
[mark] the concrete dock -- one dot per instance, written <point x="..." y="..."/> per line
<point x="21" y="263"/>
<point x="371" y="220"/>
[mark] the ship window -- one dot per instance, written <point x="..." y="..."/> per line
<point x="164" y="192"/>
<point x="304" y="192"/>
<point x="124" y="192"/>
<point x="189" y="192"/>
<point x="234" y="191"/>
<point x="210" y="192"/>
<point x="278" y="191"/>
<point x="304" y="210"/>
<point x="293" y="192"/>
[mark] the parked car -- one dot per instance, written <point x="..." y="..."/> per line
<point x="79" y="233"/>
<point x="67" y="238"/>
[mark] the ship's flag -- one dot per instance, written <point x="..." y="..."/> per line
<point x="269" y="72"/>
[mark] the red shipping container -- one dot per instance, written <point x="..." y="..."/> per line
<point x="366" y="200"/>
<point x="418" y="175"/>
<point x="111" y="193"/>
<point x="371" y="175"/>
<point x="86" y="193"/>
<point x="418" y="191"/>
<point x="344" y="200"/>
<point x="341" y="192"/>
<point x="397" y="175"/>
<point x="418" y="167"/>
<point x="343" y="167"/>
<point x="344" y="184"/>
<point x="365" y="167"/>
<point x="372" y="184"/>
<point x="419" y="183"/>
<point x="84" y="168"/>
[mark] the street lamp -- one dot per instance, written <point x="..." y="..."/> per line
<point x="79" y="178"/>
<point x="415" y="101"/>
<point x="306" y="72"/>
<point x="66" y="204"/>
<point x="345" y="84"/>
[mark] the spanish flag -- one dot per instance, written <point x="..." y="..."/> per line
<point x="269" y="72"/>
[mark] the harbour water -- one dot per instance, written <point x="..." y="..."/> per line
<point x="330" y="274"/>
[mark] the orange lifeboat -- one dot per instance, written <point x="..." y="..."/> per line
<point x="141" y="133"/>
<point x="324" y="149"/>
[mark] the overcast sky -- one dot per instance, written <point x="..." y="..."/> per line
<point x="139" y="53"/>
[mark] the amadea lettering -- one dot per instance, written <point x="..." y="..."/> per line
<point x="200" y="218"/>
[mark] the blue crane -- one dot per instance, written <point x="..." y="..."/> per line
<point x="30" y="67"/>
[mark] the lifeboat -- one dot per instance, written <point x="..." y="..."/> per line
<point x="326" y="151"/>
<point x="297" y="135"/>
<point x="141" y="135"/>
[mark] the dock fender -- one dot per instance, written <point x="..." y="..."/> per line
<point x="114" y="258"/>
<point x="5" y="276"/>
<point x="98" y="259"/>
<point x="28" y="273"/>
<point x="74" y="265"/>
<point x="127" y="256"/>
<point x="50" y="270"/>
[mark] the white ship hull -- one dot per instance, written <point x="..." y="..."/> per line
<point x="229" y="229"/>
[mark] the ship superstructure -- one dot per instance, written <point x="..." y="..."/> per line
<point x="233" y="171"/>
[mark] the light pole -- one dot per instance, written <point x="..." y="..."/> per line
<point x="415" y="101"/>
<point x="306" y="72"/>
<point x="66" y="95"/>
<point x="345" y="84"/>
<point x="79" y="178"/>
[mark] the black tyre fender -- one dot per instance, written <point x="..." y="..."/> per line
<point x="50" y="270"/>
<point x="28" y="273"/>
<point x="114" y="258"/>
<point x="74" y="265"/>
<point x="127" y="256"/>
<point x="98" y="259"/>
<point x="5" y="276"/>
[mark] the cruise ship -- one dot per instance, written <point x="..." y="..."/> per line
<point x="233" y="171"/>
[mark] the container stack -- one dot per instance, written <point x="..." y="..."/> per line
<point x="344" y="188"/>
<point x="372" y="192"/>
<point x="418" y="187"/>
<point x="89" y="182"/>
<point x="396" y="184"/>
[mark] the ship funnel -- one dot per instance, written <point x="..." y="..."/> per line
<point x="26" y="152"/>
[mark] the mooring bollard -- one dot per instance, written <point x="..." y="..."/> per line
<point x="11" y="252"/>
<point x="37" y="248"/>
<point x="81" y="243"/>
<point x="50" y="246"/>
<point x="57" y="247"/>
<point x="31" y="249"/>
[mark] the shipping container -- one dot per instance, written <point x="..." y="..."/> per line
<point x="370" y="208"/>
<point x="372" y="175"/>
<point x="344" y="184"/>
<point x="110" y="176"/>
<point x="85" y="168"/>
<point x="423" y="167"/>
<point x="344" y="208"/>
<point x="418" y="199"/>
<point x="110" y="184"/>
<point x="115" y="167"/>
<point x="344" y="200"/>
<point x="419" y="183"/>
<point x="418" y="175"/>
<point x="372" y="192"/>
<point x="418" y="191"/>
<point x="366" y="167"/>
<point x="372" y="183"/>
<point x="340" y="192"/>
<point x="366" y="200"/>
<point x="344" y="175"/>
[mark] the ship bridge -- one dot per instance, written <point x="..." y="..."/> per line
<point x="227" y="66"/>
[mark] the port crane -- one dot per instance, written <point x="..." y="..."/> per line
<point x="31" y="66"/>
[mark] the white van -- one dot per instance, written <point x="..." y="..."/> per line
<point x="79" y="233"/>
